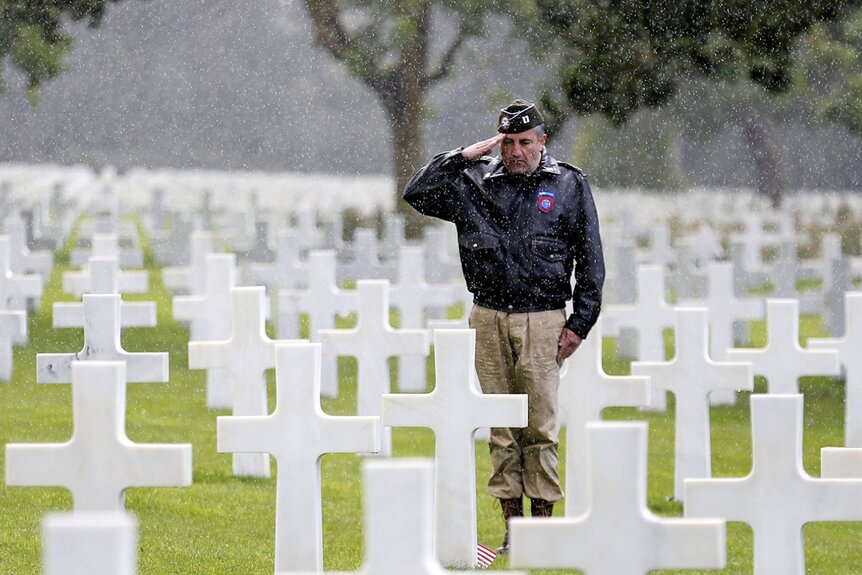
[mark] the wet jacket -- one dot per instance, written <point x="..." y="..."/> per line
<point x="519" y="236"/>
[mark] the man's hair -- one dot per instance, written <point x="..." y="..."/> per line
<point x="540" y="131"/>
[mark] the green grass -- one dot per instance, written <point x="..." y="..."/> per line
<point x="225" y="525"/>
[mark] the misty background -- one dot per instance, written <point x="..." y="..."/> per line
<point x="240" y="86"/>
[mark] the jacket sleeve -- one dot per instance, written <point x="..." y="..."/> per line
<point x="433" y="190"/>
<point x="589" y="264"/>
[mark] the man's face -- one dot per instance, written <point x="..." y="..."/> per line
<point x="522" y="152"/>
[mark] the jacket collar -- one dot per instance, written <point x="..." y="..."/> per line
<point x="547" y="165"/>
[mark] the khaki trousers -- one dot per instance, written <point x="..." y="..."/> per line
<point x="517" y="353"/>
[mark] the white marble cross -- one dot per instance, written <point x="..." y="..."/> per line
<point x="90" y="543"/>
<point x="21" y="259"/>
<point x="783" y="361"/>
<point x="725" y="309"/>
<point x="778" y="497"/>
<point x="454" y="410"/>
<point x="15" y="288"/>
<point x="322" y="301"/>
<point x="848" y="348"/>
<point x="618" y="535"/>
<point x="13" y="329"/>
<point x="746" y="275"/>
<point x="399" y="520"/>
<point x="288" y="271"/>
<point x="365" y="263"/>
<point x="106" y="278"/>
<point x="298" y="433"/>
<point x="785" y="273"/>
<point x="191" y="279"/>
<point x="373" y="341"/>
<point x="99" y="462"/>
<point x="439" y="265"/>
<point x="102" y="343"/>
<point x="209" y="319"/>
<point x="244" y="357"/>
<point x="108" y="245"/>
<point x="692" y="376"/>
<point x="411" y="296"/>
<point x="650" y="316"/>
<point x="585" y="391"/>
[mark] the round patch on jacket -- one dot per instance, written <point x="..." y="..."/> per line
<point x="545" y="200"/>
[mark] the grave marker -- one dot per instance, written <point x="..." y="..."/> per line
<point x="244" y="357"/>
<point x="454" y="410"/>
<point x="105" y="280"/>
<point x="847" y="348"/>
<point x="585" y="391"/>
<point x="89" y="544"/>
<point x="618" y="535"/>
<point x="99" y="462"/>
<point x="783" y="361"/>
<point x="373" y="341"/>
<point x="102" y="343"/>
<point x="692" y="376"/>
<point x="778" y="497"/>
<point x="298" y="434"/>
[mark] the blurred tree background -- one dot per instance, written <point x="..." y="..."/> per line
<point x="657" y="95"/>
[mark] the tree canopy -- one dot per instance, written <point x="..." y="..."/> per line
<point x="32" y="37"/>
<point x="621" y="55"/>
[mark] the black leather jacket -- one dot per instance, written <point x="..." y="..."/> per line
<point x="519" y="236"/>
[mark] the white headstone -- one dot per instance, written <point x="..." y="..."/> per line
<point x="847" y="347"/>
<point x="13" y="329"/>
<point x="783" y="361"/>
<point x="692" y="376"/>
<point x="245" y="357"/>
<point x="15" y="288"/>
<point x="102" y="343"/>
<point x="618" y="535"/>
<point x="288" y="271"/>
<point x="650" y="316"/>
<point x="89" y="543"/>
<point x="322" y="301"/>
<point x="365" y="263"/>
<point x="399" y="519"/>
<point x="21" y="259"/>
<point x="372" y="342"/>
<point x="209" y="320"/>
<point x="106" y="279"/>
<point x="585" y="391"/>
<point x="191" y="279"/>
<point x="454" y="410"/>
<point x="99" y="462"/>
<point x="108" y="245"/>
<point x="411" y="296"/>
<point x="298" y="434"/>
<point x="778" y="497"/>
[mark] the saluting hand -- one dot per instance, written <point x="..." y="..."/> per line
<point x="569" y="343"/>
<point x="482" y="148"/>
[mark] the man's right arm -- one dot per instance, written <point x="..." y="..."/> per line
<point x="433" y="189"/>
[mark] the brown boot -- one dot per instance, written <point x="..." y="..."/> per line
<point x="511" y="508"/>
<point x="541" y="508"/>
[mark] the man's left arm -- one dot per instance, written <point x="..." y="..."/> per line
<point x="589" y="273"/>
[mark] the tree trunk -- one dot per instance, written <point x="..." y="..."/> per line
<point x="403" y="107"/>
<point x="759" y="133"/>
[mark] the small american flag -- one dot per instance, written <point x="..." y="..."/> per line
<point x="485" y="556"/>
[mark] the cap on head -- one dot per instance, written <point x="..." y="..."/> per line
<point x="519" y="116"/>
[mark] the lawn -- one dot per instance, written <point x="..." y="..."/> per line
<point x="225" y="525"/>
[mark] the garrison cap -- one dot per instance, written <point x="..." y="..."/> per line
<point x="519" y="116"/>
